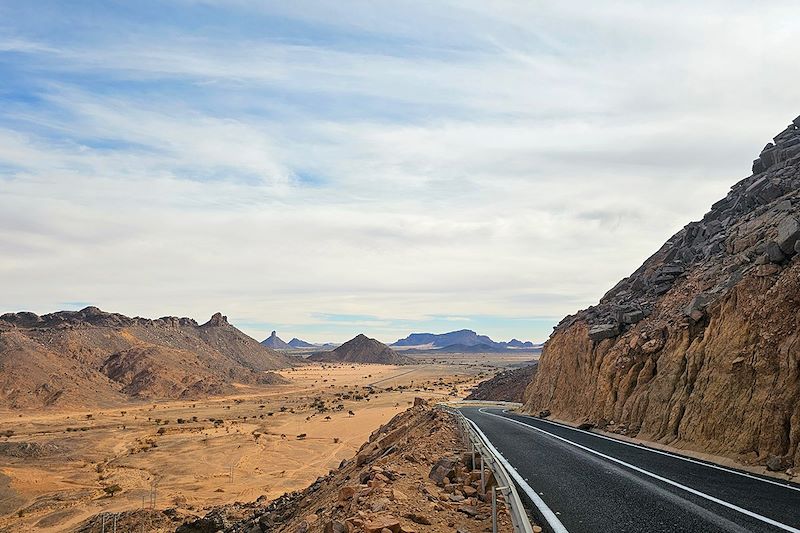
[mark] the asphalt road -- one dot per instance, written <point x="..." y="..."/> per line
<point x="597" y="484"/>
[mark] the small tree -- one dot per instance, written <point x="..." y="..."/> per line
<point x="112" y="489"/>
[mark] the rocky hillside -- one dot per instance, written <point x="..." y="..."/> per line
<point x="91" y="357"/>
<point x="413" y="475"/>
<point x="507" y="386"/>
<point x="362" y="349"/>
<point x="275" y="342"/>
<point x="700" y="346"/>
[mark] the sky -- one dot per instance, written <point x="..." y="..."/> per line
<point x="330" y="168"/>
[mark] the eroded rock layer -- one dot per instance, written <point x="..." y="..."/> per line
<point x="699" y="347"/>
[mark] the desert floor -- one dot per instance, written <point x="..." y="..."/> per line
<point x="196" y="454"/>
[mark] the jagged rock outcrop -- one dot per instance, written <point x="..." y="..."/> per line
<point x="700" y="346"/>
<point x="275" y="342"/>
<point x="91" y="357"/>
<point x="362" y="349"/>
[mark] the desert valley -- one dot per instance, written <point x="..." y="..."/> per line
<point x="125" y="439"/>
<point x="399" y="267"/>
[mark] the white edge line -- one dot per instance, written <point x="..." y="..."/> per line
<point x="656" y="450"/>
<point x="548" y="514"/>
<point x="656" y="476"/>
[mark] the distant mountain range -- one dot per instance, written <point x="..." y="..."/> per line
<point x="276" y="343"/>
<point x="461" y="341"/>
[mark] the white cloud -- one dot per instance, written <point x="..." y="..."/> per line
<point x="446" y="159"/>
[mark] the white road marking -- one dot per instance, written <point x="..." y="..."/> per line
<point x="654" y="476"/>
<point x="548" y="514"/>
<point x="654" y="450"/>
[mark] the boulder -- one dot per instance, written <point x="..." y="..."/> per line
<point x="774" y="253"/>
<point x="346" y="493"/>
<point x="698" y="303"/>
<point x="544" y="413"/>
<point x="418" y="519"/>
<point x="766" y="270"/>
<point x="334" y="526"/>
<point x="603" y="331"/>
<point x="777" y="464"/>
<point x="444" y="468"/>
<point x="379" y="523"/>
<point x="632" y="317"/>
<point x="788" y="234"/>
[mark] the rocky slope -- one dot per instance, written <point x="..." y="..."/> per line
<point x="507" y="386"/>
<point x="362" y="349"/>
<point x="700" y="346"/>
<point x="412" y="475"/>
<point x="91" y="357"/>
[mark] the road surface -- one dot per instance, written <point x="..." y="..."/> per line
<point x="594" y="483"/>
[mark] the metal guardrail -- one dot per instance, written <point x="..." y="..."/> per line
<point x="519" y="518"/>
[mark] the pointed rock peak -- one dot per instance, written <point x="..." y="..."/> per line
<point x="218" y="319"/>
<point x="274" y="333"/>
<point x="91" y="311"/>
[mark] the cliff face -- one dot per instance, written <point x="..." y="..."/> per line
<point x="700" y="346"/>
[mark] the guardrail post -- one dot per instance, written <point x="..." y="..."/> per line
<point x="473" y="455"/>
<point x="494" y="509"/>
<point x="483" y="475"/>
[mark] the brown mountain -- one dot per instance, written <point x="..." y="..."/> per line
<point x="91" y="357"/>
<point x="700" y="346"/>
<point x="362" y="349"/>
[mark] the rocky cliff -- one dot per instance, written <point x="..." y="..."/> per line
<point x="700" y="346"/>
<point x="91" y="357"/>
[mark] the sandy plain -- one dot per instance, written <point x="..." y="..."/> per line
<point x="57" y="466"/>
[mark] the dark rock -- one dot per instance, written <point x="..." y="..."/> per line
<point x="335" y="526"/>
<point x="469" y="510"/>
<point x="777" y="464"/>
<point x="544" y="414"/>
<point x="774" y="253"/>
<point x="698" y="303"/>
<point x="788" y="234"/>
<point x="603" y="331"/>
<point x="586" y="426"/>
<point x="444" y="468"/>
<point x="632" y="317"/>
